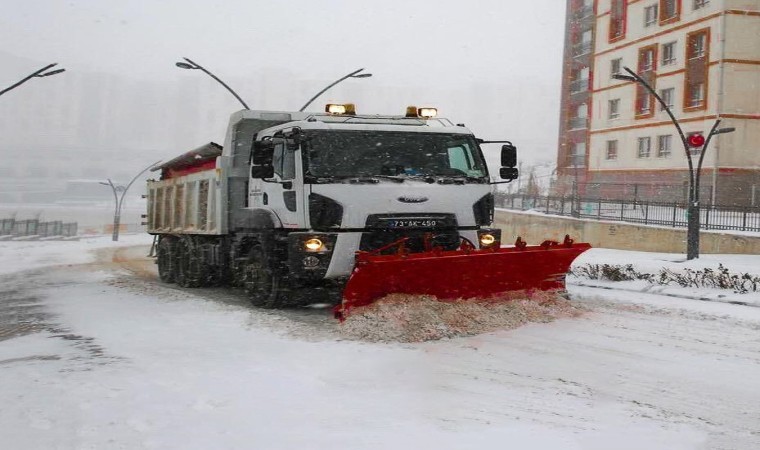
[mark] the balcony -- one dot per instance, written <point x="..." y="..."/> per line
<point x="578" y="86"/>
<point x="576" y="161"/>
<point x="582" y="48"/>
<point x="578" y="123"/>
<point x="583" y="12"/>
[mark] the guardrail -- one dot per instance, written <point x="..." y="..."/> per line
<point x="712" y="217"/>
<point x="33" y="228"/>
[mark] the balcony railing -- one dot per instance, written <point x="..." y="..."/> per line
<point x="577" y="123"/>
<point x="582" y="48"/>
<point x="578" y="86"/>
<point x="576" y="161"/>
<point x="583" y="12"/>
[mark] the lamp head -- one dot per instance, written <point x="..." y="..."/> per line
<point x="52" y="72"/>
<point x="725" y="130"/>
<point x="620" y="76"/>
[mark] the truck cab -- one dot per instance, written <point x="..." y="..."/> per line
<point x="297" y="195"/>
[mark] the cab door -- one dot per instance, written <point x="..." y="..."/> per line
<point x="284" y="190"/>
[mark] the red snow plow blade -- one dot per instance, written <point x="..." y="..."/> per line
<point x="465" y="273"/>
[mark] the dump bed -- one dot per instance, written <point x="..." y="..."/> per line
<point x="186" y="198"/>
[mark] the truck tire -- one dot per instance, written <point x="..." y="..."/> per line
<point x="263" y="283"/>
<point x="191" y="268"/>
<point x="165" y="255"/>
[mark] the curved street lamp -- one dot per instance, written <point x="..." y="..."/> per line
<point x="38" y="74"/>
<point x="354" y="74"/>
<point x="119" y="201"/>
<point x="693" y="213"/>
<point x="193" y="65"/>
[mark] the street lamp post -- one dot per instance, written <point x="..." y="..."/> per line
<point x="119" y="201"/>
<point x="354" y="74"/>
<point x="38" y="74"/>
<point x="692" y="211"/>
<point x="192" y="65"/>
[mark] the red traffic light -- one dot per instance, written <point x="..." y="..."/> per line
<point x="696" y="140"/>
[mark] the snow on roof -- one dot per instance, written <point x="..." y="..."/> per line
<point x="203" y="153"/>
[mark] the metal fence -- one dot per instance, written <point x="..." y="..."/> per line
<point x="673" y="214"/>
<point x="33" y="227"/>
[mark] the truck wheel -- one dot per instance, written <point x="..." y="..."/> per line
<point x="262" y="282"/>
<point x="166" y="262"/>
<point x="190" y="266"/>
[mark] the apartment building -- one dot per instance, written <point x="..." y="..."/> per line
<point x="703" y="59"/>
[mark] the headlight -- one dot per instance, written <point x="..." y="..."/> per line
<point x="313" y="245"/>
<point x="489" y="238"/>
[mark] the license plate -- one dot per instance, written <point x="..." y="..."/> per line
<point x="411" y="223"/>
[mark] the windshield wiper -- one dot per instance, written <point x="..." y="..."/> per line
<point x="308" y="178"/>
<point x="459" y="179"/>
<point x="362" y="179"/>
<point x="374" y="179"/>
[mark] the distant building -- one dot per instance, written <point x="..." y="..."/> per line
<point x="702" y="57"/>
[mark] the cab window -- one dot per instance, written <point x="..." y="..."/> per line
<point x="458" y="159"/>
<point x="284" y="162"/>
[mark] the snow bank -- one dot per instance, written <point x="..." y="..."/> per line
<point x="417" y="318"/>
<point x="17" y="256"/>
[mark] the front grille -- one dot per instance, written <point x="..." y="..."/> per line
<point x="387" y="228"/>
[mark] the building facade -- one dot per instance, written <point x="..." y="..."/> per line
<point x="703" y="59"/>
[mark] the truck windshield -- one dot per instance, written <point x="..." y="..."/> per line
<point x="338" y="154"/>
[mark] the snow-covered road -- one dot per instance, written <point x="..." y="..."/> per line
<point x="99" y="355"/>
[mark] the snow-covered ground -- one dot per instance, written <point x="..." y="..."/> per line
<point x="18" y="256"/>
<point x="652" y="263"/>
<point x="98" y="355"/>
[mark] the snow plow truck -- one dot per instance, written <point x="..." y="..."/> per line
<point x="296" y="203"/>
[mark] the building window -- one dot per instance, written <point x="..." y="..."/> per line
<point x="670" y="11"/>
<point x="646" y="59"/>
<point x="696" y="95"/>
<point x="618" y="13"/>
<point x="645" y="104"/>
<point x="668" y="53"/>
<point x="664" y="146"/>
<point x="645" y="147"/>
<point x="579" y="154"/>
<point x="615" y="66"/>
<point x="667" y="96"/>
<point x="697" y="44"/>
<point x="614" y="108"/>
<point x="650" y="15"/>
<point x="697" y="69"/>
<point x="580" y="82"/>
<point x="612" y="150"/>
<point x="581" y="117"/>
<point x="700" y="3"/>
<point x="647" y="64"/>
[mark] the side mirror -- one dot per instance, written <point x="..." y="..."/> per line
<point x="508" y="173"/>
<point x="262" y="171"/>
<point x="508" y="155"/>
<point x="262" y="153"/>
<point x="261" y="159"/>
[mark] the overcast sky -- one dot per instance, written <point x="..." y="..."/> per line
<point x="442" y="44"/>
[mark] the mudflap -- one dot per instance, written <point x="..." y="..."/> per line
<point x="466" y="273"/>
